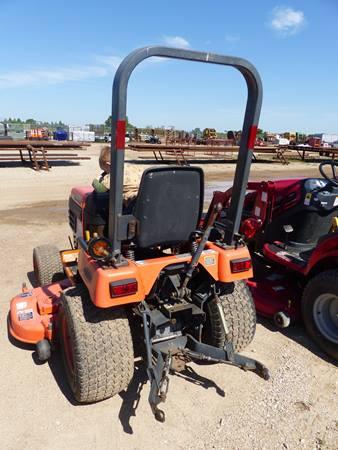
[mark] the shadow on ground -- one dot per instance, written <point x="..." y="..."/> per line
<point x="298" y="334"/>
<point x="29" y="165"/>
<point x="146" y="160"/>
<point x="131" y="397"/>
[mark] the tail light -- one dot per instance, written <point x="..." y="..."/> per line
<point x="250" y="227"/>
<point x="240" y="265"/>
<point x="123" y="288"/>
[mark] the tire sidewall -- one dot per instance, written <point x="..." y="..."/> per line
<point x="36" y="269"/>
<point x="324" y="283"/>
<point x="65" y="319"/>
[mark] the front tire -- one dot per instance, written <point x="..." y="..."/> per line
<point x="47" y="264"/>
<point x="240" y="316"/>
<point x="320" y="311"/>
<point x="96" y="346"/>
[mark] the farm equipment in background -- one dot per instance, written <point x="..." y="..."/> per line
<point x="152" y="138"/>
<point x="314" y="142"/>
<point x="291" y="229"/>
<point x="60" y="135"/>
<point x="291" y="136"/>
<point x="150" y="276"/>
<point x="209" y="133"/>
<point x="37" y="134"/>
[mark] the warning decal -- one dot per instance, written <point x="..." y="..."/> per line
<point x="26" y="314"/>
<point x="307" y="199"/>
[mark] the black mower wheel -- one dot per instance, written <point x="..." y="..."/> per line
<point x="239" y="313"/>
<point x="47" y="264"/>
<point x="43" y="350"/>
<point x="96" y="346"/>
<point x="320" y="311"/>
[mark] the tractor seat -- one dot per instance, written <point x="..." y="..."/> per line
<point x="314" y="206"/>
<point x="167" y="209"/>
<point x="168" y="206"/>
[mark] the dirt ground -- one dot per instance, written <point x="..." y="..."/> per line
<point x="215" y="407"/>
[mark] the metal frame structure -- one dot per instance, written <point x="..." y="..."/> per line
<point x="119" y="101"/>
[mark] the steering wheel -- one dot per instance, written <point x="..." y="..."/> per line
<point x="333" y="165"/>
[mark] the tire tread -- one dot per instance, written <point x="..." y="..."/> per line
<point x="47" y="263"/>
<point x="240" y="315"/>
<point x="102" y="347"/>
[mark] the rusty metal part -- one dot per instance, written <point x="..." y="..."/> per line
<point x="11" y="143"/>
<point x="32" y="151"/>
<point x="38" y="157"/>
<point x="179" y="362"/>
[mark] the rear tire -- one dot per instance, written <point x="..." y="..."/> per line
<point x="96" y="346"/>
<point x="240" y="316"/>
<point x="47" y="264"/>
<point x="319" y="311"/>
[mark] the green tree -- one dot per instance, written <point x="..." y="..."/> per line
<point x="260" y="133"/>
<point x="108" y="122"/>
<point x="197" y="132"/>
<point x="129" y="126"/>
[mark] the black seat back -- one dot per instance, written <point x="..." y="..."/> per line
<point x="169" y="205"/>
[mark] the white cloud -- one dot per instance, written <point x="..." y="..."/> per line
<point x="176" y="41"/>
<point x="51" y="76"/>
<point x="105" y="67"/>
<point x="287" y="21"/>
<point x="109" y="60"/>
<point x="231" y="38"/>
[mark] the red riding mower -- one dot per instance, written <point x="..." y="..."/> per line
<point x="290" y="227"/>
<point x="152" y="274"/>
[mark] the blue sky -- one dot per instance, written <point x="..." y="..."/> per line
<point x="58" y="60"/>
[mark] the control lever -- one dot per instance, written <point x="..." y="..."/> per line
<point x="288" y="229"/>
<point x="194" y="261"/>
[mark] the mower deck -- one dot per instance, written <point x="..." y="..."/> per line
<point x="275" y="291"/>
<point x="274" y="295"/>
<point x="33" y="312"/>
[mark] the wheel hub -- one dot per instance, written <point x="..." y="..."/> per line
<point x="325" y="314"/>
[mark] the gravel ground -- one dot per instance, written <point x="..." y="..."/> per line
<point x="214" y="407"/>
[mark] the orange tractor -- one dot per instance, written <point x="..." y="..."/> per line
<point x="149" y="276"/>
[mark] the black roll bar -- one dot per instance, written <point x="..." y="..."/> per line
<point x="247" y="142"/>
